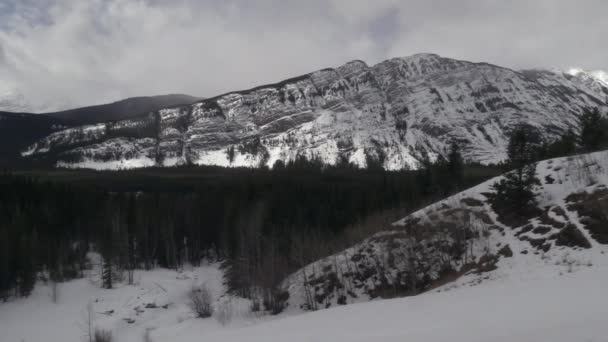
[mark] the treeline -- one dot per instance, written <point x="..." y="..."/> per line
<point x="513" y="197"/>
<point x="590" y="135"/>
<point x="264" y="223"/>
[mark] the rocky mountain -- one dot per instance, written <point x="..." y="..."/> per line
<point x="399" y="111"/>
<point x="461" y="241"/>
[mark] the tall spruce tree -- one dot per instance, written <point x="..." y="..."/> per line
<point x="592" y="131"/>
<point x="455" y="165"/>
<point x="514" y="193"/>
<point x="107" y="278"/>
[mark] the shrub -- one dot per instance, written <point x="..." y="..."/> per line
<point x="201" y="301"/>
<point x="102" y="336"/>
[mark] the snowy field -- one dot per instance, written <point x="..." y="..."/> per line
<point x="569" y="307"/>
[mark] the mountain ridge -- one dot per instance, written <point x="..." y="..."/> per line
<point x="399" y="111"/>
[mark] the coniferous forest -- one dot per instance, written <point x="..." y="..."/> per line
<point x="263" y="223"/>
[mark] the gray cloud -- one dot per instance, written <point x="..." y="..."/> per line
<point x="87" y="52"/>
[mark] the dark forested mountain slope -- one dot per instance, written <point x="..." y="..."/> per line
<point x="18" y="131"/>
<point x="121" y="110"/>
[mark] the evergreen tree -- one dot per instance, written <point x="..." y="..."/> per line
<point x="27" y="270"/>
<point x="564" y="146"/>
<point x="6" y="281"/>
<point x="455" y="165"/>
<point x="230" y="154"/>
<point x="107" y="277"/>
<point x="514" y="194"/>
<point x="592" y="131"/>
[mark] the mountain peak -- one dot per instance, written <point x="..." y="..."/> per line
<point x="596" y="75"/>
<point x="403" y="109"/>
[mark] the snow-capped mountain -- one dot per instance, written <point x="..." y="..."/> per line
<point x="399" y="111"/>
<point x="599" y="76"/>
<point x="594" y="81"/>
<point x="461" y="241"/>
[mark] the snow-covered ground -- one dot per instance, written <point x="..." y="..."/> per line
<point x="156" y="305"/>
<point x="573" y="307"/>
<point x="569" y="307"/>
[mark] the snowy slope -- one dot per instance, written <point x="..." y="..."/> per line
<point x="599" y="76"/>
<point x="462" y="238"/>
<point x="571" y="307"/>
<point x="400" y="110"/>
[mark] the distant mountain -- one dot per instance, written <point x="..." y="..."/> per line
<point x="399" y="112"/>
<point x="121" y="110"/>
<point x="20" y="130"/>
<point x="596" y="75"/>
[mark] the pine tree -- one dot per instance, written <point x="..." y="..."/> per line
<point x="27" y="270"/>
<point x="107" y="274"/>
<point x="514" y="194"/>
<point x="6" y="282"/>
<point x="564" y="146"/>
<point x="592" y="131"/>
<point x="230" y="154"/>
<point x="455" y="165"/>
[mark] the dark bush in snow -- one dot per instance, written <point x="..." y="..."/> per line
<point x="102" y="336"/>
<point x="201" y="301"/>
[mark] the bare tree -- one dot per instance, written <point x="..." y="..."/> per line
<point x="86" y="325"/>
<point x="54" y="291"/>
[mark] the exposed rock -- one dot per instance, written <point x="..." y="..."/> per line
<point x="403" y="109"/>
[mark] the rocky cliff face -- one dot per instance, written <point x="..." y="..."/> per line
<point x="398" y="111"/>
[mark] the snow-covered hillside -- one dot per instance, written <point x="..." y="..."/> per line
<point x="399" y="111"/>
<point x="462" y="238"/>
<point x="566" y="308"/>
<point x="599" y="76"/>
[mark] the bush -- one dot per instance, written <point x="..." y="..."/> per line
<point x="102" y="336"/>
<point x="201" y="301"/>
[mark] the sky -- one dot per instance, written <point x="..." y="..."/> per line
<point x="76" y="52"/>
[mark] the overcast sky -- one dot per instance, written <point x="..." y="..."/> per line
<point x="94" y="51"/>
